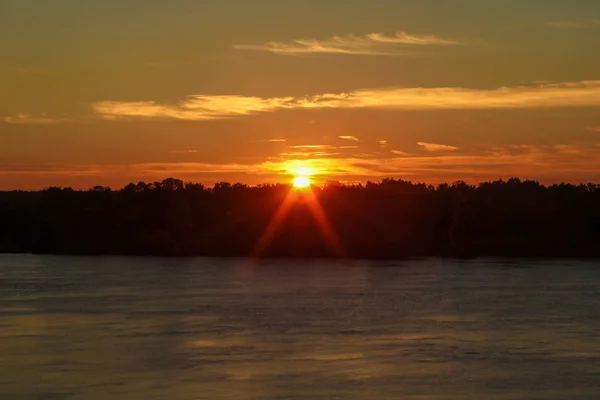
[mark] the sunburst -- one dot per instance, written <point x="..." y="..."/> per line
<point x="301" y="182"/>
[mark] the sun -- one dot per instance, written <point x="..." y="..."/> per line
<point x="301" y="182"/>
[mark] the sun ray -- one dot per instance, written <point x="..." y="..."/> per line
<point x="301" y="192"/>
<point x="280" y="214"/>
<point x="309" y="198"/>
<point x="331" y="238"/>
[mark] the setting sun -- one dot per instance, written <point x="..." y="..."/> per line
<point x="301" y="182"/>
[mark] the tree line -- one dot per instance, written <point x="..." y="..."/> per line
<point x="387" y="219"/>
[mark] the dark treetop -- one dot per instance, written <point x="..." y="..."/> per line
<point x="389" y="219"/>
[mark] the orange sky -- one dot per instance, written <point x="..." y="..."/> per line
<point x="110" y="92"/>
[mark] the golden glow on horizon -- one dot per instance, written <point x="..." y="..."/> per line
<point x="301" y="182"/>
<point x="299" y="169"/>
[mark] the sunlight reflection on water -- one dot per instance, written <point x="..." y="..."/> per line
<point x="144" y="328"/>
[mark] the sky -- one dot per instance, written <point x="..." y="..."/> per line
<point x="257" y="91"/>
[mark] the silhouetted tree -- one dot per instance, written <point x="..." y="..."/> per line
<point x="388" y="219"/>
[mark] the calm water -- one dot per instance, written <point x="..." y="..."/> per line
<point x="142" y="328"/>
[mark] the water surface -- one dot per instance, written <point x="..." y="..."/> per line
<point x="148" y="328"/>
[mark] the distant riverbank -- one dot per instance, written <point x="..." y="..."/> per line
<point x="391" y="219"/>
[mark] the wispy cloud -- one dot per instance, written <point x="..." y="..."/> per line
<point x="568" y="94"/>
<point x="312" y="146"/>
<point x="277" y="140"/>
<point x="353" y="138"/>
<point x="203" y="107"/>
<point x="373" y="44"/>
<point x="528" y="161"/>
<point x="348" y="147"/>
<point x="42" y="119"/>
<point x="546" y="163"/>
<point x="296" y="154"/>
<point x="437" y="147"/>
<point x="568" y="24"/>
<point x="417" y="40"/>
<point x="383" y="143"/>
<point x="194" y="108"/>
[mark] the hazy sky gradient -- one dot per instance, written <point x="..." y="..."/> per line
<point x="113" y="91"/>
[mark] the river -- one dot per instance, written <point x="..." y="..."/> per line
<point x="149" y="328"/>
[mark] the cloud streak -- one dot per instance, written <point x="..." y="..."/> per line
<point x="27" y="119"/>
<point x="312" y="146"/>
<point x="373" y="44"/>
<point x="193" y="108"/>
<point x="204" y="107"/>
<point x="353" y="138"/>
<point x="436" y="147"/>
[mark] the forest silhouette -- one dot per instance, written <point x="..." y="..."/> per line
<point x="391" y="219"/>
